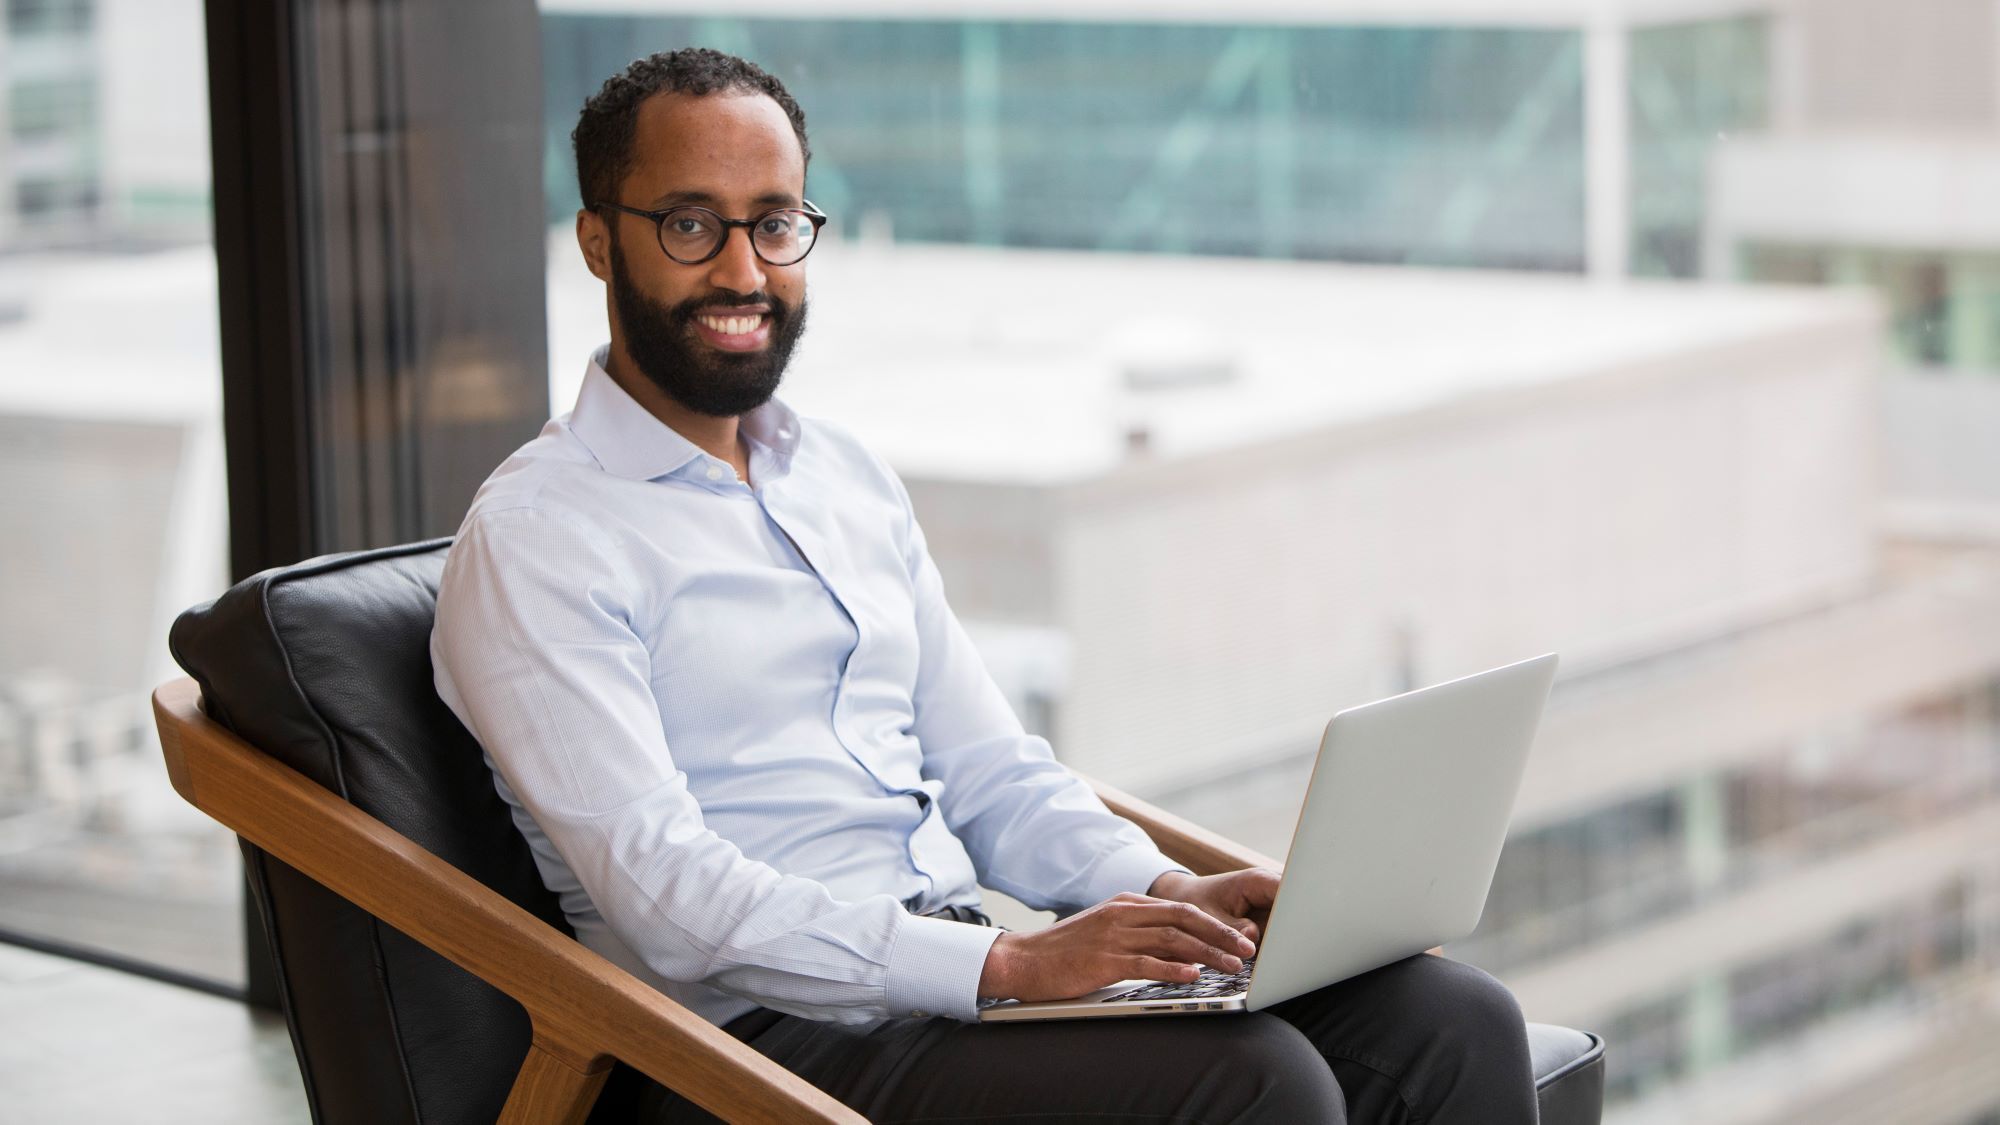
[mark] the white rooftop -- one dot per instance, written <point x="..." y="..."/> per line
<point x="1903" y="190"/>
<point x="1004" y="365"/>
<point x="1009" y="365"/>
<point x="107" y="336"/>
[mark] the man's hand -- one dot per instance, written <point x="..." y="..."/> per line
<point x="1125" y="937"/>
<point x="1239" y="899"/>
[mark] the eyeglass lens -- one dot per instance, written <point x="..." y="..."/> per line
<point x="690" y="234"/>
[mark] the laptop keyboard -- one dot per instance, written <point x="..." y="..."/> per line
<point x="1211" y="982"/>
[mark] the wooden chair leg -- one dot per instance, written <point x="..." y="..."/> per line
<point x="549" y="1091"/>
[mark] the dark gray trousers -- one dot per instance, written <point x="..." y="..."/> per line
<point x="1423" y="1040"/>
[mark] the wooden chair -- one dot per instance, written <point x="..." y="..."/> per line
<point x="320" y="658"/>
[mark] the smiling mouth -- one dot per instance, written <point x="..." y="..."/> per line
<point x="731" y="325"/>
<point x="734" y="331"/>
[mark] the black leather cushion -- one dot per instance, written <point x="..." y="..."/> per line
<point x="1569" y="1074"/>
<point x="326" y="666"/>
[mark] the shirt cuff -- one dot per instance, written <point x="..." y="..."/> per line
<point x="935" y="966"/>
<point x="1131" y="868"/>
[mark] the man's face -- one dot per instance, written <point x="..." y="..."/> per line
<point x="716" y="336"/>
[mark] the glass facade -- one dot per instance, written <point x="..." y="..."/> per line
<point x="1436" y="146"/>
<point x="112" y="519"/>
<point x="1920" y="957"/>
<point x="1868" y="962"/>
<point x="1597" y="877"/>
<point x="1586" y="878"/>
<point x="53" y="107"/>
<point x="1943" y="306"/>
<point x="1691" y="86"/>
<point x="34" y="17"/>
<point x="51" y="153"/>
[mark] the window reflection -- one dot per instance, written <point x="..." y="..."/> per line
<point x="112" y="517"/>
<point x="1182" y="543"/>
<point x="1454" y="146"/>
<point x="1610" y="871"/>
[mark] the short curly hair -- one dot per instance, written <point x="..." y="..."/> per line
<point x="610" y="119"/>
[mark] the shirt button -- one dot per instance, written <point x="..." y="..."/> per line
<point x="919" y="1013"/>
<point x="715" y="472"/>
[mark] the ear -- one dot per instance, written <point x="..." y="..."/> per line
<point x="593" y="237"/>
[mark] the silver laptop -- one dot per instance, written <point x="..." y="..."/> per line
<point x="1393" y="854"/>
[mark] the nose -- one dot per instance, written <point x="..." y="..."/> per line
<point x="737" y="268"/>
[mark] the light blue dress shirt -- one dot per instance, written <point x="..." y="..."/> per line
<point x="741" y="729"/>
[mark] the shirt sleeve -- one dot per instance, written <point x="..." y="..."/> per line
<point x="1034" y="830"/>
<point x="536" y="652"/>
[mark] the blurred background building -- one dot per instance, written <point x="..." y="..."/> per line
<point x="1246" y="363"/>
<point x="111" y="514"/>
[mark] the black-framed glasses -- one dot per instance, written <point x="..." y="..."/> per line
<point x="692" y="235"/>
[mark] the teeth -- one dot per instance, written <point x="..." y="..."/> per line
<point x="732" y="325"/>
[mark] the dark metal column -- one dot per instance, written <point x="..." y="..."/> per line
<point x="379" y="246"/>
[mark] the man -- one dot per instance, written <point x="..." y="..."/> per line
<point x="715" y="675"/>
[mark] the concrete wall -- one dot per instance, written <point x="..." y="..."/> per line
<point x="1883" y="192"/>
<point x="1220" y="608"/>
<point x="1894" y="64"/>
<point x="1942" y="466"/>
<point x="87" y="506"/>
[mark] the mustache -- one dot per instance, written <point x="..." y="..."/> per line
<point x="707" y="304"/>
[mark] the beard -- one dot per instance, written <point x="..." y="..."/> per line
<point x="662" y="343"/>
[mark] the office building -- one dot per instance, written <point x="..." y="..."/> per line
<point x="106" y="137"/>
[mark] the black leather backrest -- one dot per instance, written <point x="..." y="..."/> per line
<point x="326" y="667"/>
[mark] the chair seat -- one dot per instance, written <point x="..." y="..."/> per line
<point x="1569" y="1074"/>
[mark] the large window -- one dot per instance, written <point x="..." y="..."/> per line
<point x="1834" y="792"/>
<point x="1692" y="86"/>
<point x="1867" y="975"/>
<point x="112" y="519"/>
<point x="1440" y="145"/>
<point x="1944" y="304"/>
<point x="1248" y="364"/>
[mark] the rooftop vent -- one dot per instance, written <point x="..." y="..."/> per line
<point x="1158" y="354"/>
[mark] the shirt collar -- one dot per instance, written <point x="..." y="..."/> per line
<point x="629" y="442"/>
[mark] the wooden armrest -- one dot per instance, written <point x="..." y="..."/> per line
<point x="585" y="1011"/>
<point x="1185" y="842"/>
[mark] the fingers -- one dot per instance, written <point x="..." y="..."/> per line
<point x="1183" y="946"/>
<point x="1192" y="920"/>
<point x="1246" y="926"/>
<point x="1258" y="887"/>
<point x="1153" y="968"/>
<point x="1178" y="932"/>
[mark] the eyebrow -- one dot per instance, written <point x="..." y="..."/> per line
<point x="709" y="199"/>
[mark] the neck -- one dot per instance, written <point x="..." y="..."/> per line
<point x="715" y="436"/>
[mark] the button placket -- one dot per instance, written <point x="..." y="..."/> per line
<point x="843" y="731"/>
<point x="840" y="707"/>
